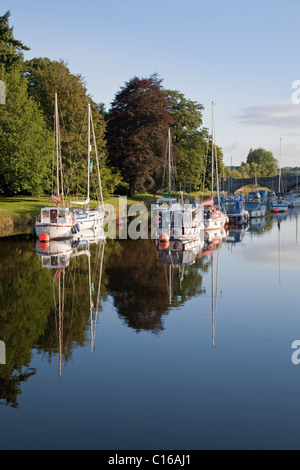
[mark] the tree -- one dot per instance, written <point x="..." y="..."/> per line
<point x="25" y="141"/>
<point x="45" y="77"/>
<point x="266" y="164"/>
<point x="190" y="139"/>
<point x="137" y="127"/>
<point x="11" y="50"/>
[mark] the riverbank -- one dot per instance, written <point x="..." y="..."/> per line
<point x="18" y="214"/>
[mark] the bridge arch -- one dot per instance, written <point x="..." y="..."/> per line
<point x="288" y="182"/>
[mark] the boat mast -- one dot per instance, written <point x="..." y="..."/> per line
<point x="97" y="160"/>
<point x="279" y="168"/>
<point x="212" y="151"/>
<point x="59" y="179"/>
<point x="169" y="155"/>
<point x="57" y="145"/>
<point x="89" y="152"/>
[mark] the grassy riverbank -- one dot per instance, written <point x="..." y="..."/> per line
<point x="18" y="214"/>
<point x="30" y="206"/>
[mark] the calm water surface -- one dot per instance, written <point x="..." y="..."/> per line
<point x="127" y="346"/>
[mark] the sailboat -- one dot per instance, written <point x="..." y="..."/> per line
<point x="279" y="204"/>
<point x="214" y="218"/>
<point x="181" y="219"/>
<point x="56" y="222"/>
<point x="90" y="218"/>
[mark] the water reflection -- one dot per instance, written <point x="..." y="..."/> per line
<point x="257" y="224"/>
<point x="213" y="238"/>
<point x="76" y="288"/>
<point x="50" y="302"/>
<point x="236" y="234"/>
<point x="59" y="289"/>
<point x="179" y="255"/>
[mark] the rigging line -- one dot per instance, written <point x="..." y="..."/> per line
<point x="205" y="166"/>
<point x="63" y="124"/>
<point x="97" y="159"/>
<point x="53" y="160"/>
<point x="165" y="165"/>
<point x="217" y="171"/>
<point x="78" y="153"/>
<point x="99" y="289"/>
<point x="217" y="278"/>
<point x="212" y="302"/>
<point x="70" y="285"/>
<point x="173" y="169"/>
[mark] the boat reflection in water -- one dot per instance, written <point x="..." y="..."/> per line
<point x="236" y="234"/>
<point x="179" y="254"/>
<point x="56" y="255"/>
<point x="213" y="238"/>
<point x="257" y="224"/>
<point x="212" y="242"/>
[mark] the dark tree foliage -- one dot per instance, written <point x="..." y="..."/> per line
<point x="11" y="50"/>
<point x="137" y="128"/>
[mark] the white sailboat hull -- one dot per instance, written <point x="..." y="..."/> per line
<point x="278" y="206"/>
<point x="54" y="231"/>
<point x="89" y="219"/>
<point x="56" y="222"/>
<point x="216" y="224"/>
<point x="183" y="233"/>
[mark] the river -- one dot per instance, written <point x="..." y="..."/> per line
<point x="119" y="344"/>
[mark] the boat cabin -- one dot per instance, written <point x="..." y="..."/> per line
<point x="234" y="207"/>
<point x="176" y="218"/>
<point x="165" y="201"/>
<point x="55" y="215"/>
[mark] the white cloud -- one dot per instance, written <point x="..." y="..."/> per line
<point x="283" y="115"/>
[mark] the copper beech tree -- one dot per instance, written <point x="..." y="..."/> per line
<point x="137" y="132"/>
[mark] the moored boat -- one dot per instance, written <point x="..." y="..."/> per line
<point x="278" y="205"/>
<point x="56" y="222"/>
<point x="236" y="211"/>
<point x="214" y="217"/>
<point x="90" y="218"/>
<point x="181" y="219"/>
<point x="255" y="209"/>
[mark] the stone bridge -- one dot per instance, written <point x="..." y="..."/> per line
<point x="288" y="182"/>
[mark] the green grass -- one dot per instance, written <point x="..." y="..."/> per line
<point x="29" y="205"/>
<point x="24" y="205"/>
<point x="21" y="205"/>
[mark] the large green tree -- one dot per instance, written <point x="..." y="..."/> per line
<point x="265" y="163"/>
<point x="45" y="77"/>
<point x="25" y="141"/>
<point x="11" y="49"/>
<point x="192" y="141"/>
<point x="137" y="130"/>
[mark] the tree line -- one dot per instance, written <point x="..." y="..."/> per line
<point x="131" y="135"/>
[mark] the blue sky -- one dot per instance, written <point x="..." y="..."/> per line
<point x="243" y="56"/>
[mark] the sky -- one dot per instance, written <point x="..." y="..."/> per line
<point x="241" y="56"/>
